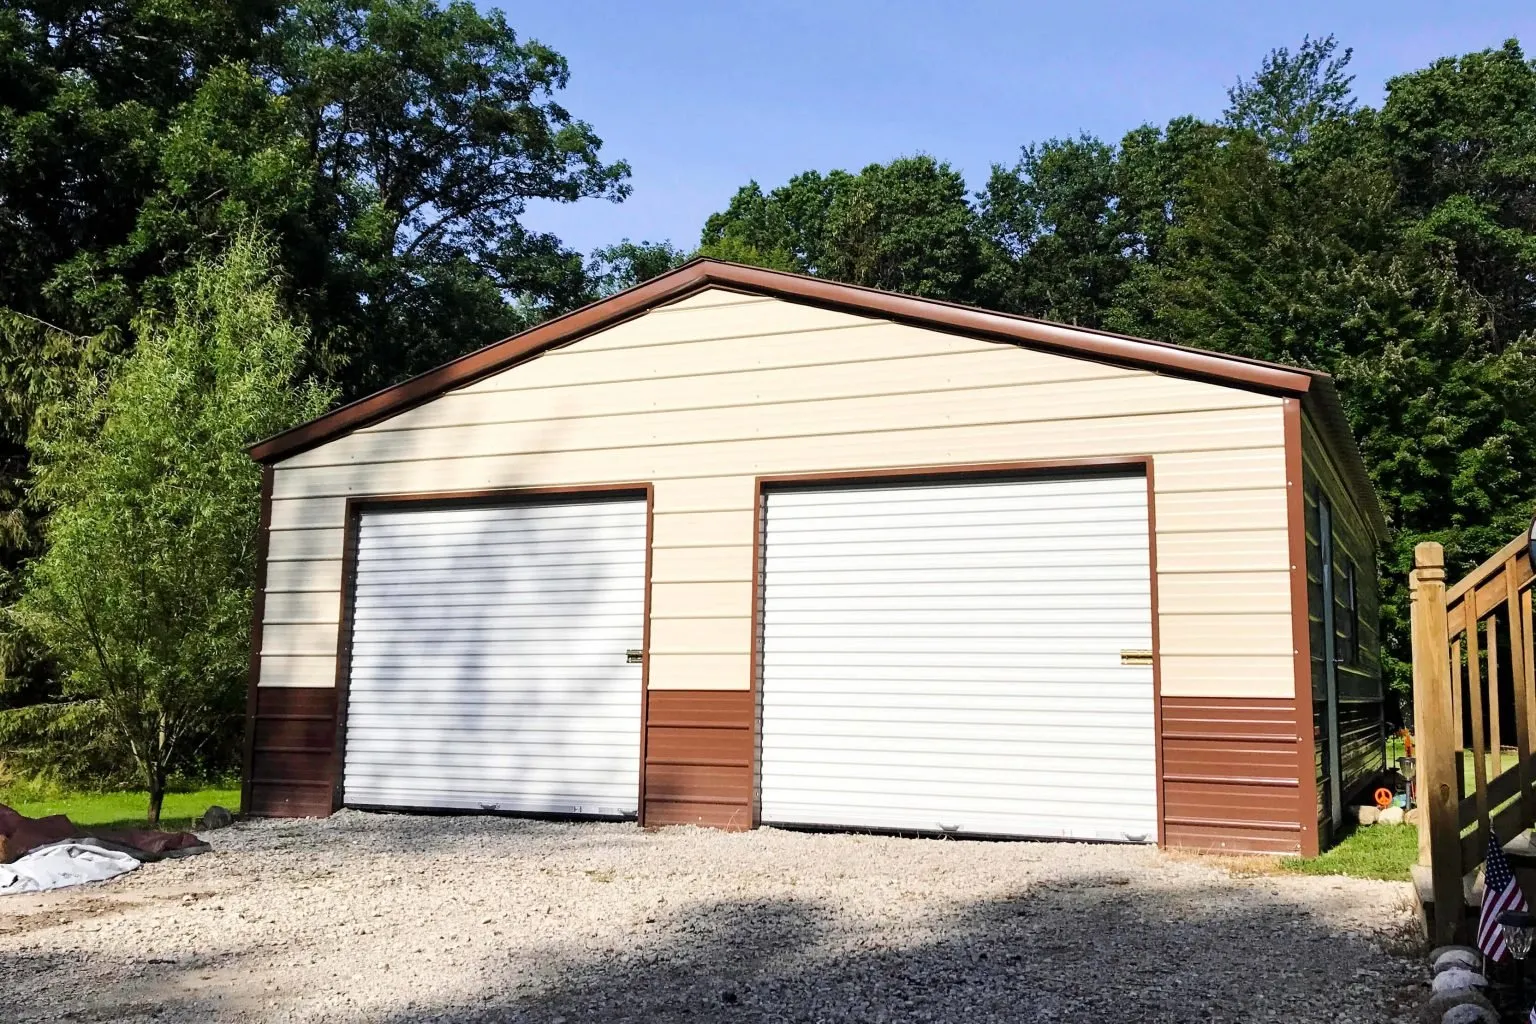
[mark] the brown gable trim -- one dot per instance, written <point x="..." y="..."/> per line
<point x="931" y="314"/>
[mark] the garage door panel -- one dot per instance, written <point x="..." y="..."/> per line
<point x="906" y="677"/>
<point x="556" y="577"/>
<point x="930" y="660"/>
<point x="488" y="798"/>
<point x="606" y="621"/>
<point x="488" y="664"/>
<point x="1104" y="590"/>
<point x="949" y="657"/>
<point x="952" y="565"/>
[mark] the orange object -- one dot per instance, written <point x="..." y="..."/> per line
<point x="1383" y="798"/>
<point x="1407" y="741"/>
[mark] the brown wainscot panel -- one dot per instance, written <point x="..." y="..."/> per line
<point x="292" y="757"/>
<point x="1229" y="774"/>
<point x="698" y="758"/>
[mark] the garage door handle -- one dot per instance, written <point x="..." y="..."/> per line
<point x="1135" y="656"/>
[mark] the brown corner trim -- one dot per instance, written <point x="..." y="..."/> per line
<point x="966" y="471"/>
<point x="258" y="612"/>
<point x="1301" y="637"/>
<point x="356" y="506"/>
<point x="1101" y="346"/>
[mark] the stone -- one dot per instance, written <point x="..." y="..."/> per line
<point x="1458" y="978"/>
<point x="1414" y="817"/>
<point x="1439" y="953"/>
<point x="1458" y="960"/>
<point x="215" y="817"/>
<point x="1391" y="816"/>
<point x="1366" y="814"/>
<point x="1442" y="1003"/>
<point x="1469" y="1013"/>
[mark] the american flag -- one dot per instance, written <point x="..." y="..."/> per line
<point x="1500" y="893"/>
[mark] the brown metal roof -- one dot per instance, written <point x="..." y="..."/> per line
<point x="1314" y="387"/>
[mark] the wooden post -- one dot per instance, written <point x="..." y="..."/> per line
<point x="1432" y="698"/>
<point x="1418" y="728"/>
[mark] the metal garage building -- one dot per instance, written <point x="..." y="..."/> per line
<point x="738" y="547"/>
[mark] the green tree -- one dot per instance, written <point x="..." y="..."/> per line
<point x="1058" y="231"/>
<point x="143" y="595"/>
<point x="1293" y="93"/>
<point x="614" y="268"/>
<point x="904" y="226"/>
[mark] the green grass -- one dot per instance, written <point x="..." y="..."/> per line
<point x="124" y="809"/>
<point x="1376" y="851"/>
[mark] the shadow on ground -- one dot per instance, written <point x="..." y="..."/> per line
<point x="1096" y="948"/>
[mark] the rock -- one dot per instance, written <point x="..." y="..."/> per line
<point x="1458" y="960"/>
<point x="1414" y="817"/>
<point x="215" y="817"/>
<point x="1442" y="1003"/>
<point x="1439" y="953"/>
<point x="1391" y="816"/>
<point x="1366" y="814"/>
<point x="1458" y="978"/>
<point x="1469" y="1013"/>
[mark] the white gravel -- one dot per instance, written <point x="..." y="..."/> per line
<point x="394" y="918"/>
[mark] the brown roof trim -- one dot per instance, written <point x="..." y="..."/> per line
<point x="932" y="314"/>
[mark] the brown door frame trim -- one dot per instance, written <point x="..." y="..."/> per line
<point x="258" y="614"/>
<point x="939" y="473"/>
<point x="356" y="506"/>
<point x="1301" y="636"/>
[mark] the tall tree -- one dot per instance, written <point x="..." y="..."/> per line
<point x="1292" y="93"/>
<point x="143" y="595"/>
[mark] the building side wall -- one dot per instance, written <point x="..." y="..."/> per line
<point x="1361" y="706"/>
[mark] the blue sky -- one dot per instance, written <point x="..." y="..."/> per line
<point x="702" y="97"/>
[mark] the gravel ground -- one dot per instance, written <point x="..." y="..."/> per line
<point x="395" y="918"/>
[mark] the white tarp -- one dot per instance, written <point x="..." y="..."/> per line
<point x="62" y="864"/>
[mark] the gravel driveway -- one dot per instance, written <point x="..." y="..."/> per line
<point x="394" y="918"/>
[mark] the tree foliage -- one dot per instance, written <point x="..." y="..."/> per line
<point x="143" y="595"/>
<point x="904" y="226"/>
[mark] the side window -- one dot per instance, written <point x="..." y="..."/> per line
<point x="1348" y="642"/>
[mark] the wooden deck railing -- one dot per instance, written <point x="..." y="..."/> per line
<point x="1473" y="675"/>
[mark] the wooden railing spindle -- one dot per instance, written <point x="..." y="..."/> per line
<point x="1479" y="737"/>
<point x="1495" y="741"/>
<point x="1519" y="637"/>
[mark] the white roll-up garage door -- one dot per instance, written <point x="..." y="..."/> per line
<point x="948" y="657"/>
<point x="489" y="658"/>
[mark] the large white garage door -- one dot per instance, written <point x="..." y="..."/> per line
<point x="489" y="666"/>
<point x="949" y="658"/>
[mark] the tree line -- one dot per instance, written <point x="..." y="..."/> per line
<point x="344" y="182"/>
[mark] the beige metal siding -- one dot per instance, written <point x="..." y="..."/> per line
<point x="701" y="397"/>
